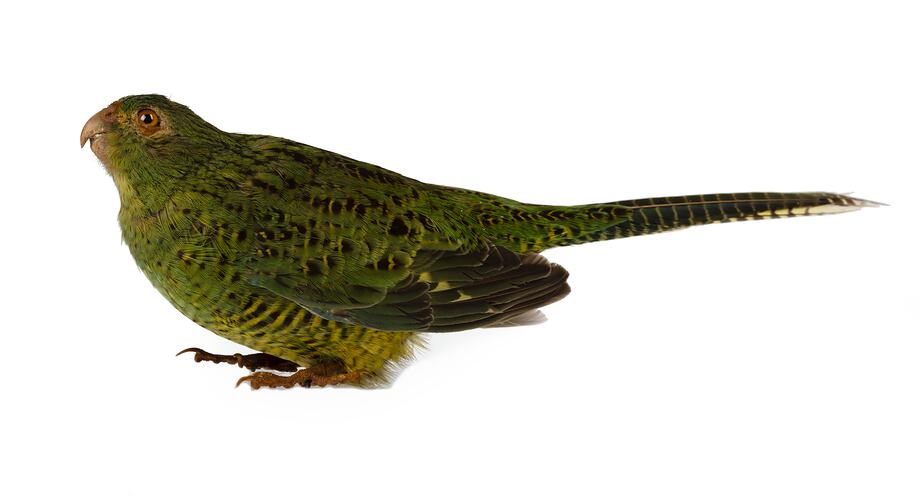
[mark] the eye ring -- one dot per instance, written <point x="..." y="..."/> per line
<point x="148" y="118"/>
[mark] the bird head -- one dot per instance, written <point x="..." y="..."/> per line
<point x="147" y="131"/>
<point x="149" y="143"/>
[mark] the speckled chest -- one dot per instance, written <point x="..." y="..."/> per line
<point x="182" y="259"/>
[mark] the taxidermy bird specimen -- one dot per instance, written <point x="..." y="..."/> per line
<point x="332" y="268"/>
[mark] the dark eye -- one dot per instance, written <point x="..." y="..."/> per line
<point x="148" y="118"/>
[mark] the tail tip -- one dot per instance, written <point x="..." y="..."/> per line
<point x="845" y="200"/>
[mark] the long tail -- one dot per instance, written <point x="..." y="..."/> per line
<point x="654" y="215"/>
<point x="532" y="228"/>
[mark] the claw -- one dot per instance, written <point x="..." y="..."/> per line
<point x="251" y="361"/>
<point x="196" y="350"/>
<point x="267" y="379"/>
<point x="202" y="355"/>
<point x="322" y="374"/>
<point x="307" y="377"/>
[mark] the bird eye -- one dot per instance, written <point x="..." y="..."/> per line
<point x="148" y="118"/>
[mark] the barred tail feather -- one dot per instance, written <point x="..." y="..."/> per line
<point x="548" y="226"/>
<point x="654" y="215"/>
<point x="529" y="228"/>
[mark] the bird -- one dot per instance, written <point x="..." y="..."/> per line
<point x="334" y="270"/>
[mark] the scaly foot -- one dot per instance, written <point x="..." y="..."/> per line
<point x="253" y="362"/>
<point x="319" y="375"/>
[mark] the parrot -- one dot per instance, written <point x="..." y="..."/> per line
<point x="335" y="271"/>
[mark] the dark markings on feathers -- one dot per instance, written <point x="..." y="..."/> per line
<point x="263" y="185"/>
<point x="313" y="267"/>
<point x="398" y="227"/>
<point x="426" y="221"/>
<point x="375" y="175"/>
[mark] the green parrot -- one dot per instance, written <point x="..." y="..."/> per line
<point x="332" y="268"/>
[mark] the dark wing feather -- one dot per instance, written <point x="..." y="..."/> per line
<point x="534" y="283"/>
<point x="460" y="291"/>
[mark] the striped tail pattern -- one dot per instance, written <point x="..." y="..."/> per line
<point x="533" y="228"/>
<point x="654" y="215"/>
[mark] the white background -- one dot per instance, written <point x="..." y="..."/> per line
<point x="774" y="359"/>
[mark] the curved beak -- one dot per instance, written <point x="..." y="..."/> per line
<point x="98" y="124"/>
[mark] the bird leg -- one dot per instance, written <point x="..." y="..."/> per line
<point x="319" y="375"/>
<point x="253" y="362"/>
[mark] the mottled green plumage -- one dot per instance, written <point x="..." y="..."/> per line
<point x="314" y="257"/>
